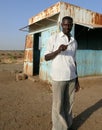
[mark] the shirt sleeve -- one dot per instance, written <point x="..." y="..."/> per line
<point x="50" y="45"/>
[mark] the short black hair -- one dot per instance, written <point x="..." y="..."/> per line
<point x="67" y="18"/>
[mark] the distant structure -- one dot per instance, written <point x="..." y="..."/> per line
<point x="87" y="30"/>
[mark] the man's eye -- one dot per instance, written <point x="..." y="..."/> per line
<point x="67" y="24"/>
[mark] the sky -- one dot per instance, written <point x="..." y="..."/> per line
<point x="14" y="14"/>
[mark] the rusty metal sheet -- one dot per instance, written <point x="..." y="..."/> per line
<point x="28" y="56"/>
<point x="46" y="13"/>
<point x="28" y="68"/>
<point x="80" y="15"/>
<point x="97" y="18"/>
<point x="29" y="41"/>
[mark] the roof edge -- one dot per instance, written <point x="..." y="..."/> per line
<point x="52" y="10"/>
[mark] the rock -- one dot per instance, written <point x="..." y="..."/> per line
<point x="21" y="76"/>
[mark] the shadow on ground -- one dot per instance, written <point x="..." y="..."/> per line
<point x="82" y="117"/>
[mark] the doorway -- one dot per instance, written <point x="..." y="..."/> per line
<point x="36" y="53"/>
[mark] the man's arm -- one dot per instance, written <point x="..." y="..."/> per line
<point x="77" y="85"/>
<point x="52" y="55"/>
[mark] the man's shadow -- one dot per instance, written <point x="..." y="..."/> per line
<point x="82" y="117"/>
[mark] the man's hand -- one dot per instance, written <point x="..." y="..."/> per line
<point x="52" y="55"/>
<point x="62" y="47"/>
<point x="77" y="86"/>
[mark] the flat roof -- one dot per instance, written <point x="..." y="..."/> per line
<point x="80" y="15"/>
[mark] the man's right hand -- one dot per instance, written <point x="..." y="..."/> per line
<point x="62" y="47"/>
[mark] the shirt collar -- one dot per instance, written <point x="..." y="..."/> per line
<point x="61" y="34"/>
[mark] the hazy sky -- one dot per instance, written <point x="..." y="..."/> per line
<point x="14" y="14"/>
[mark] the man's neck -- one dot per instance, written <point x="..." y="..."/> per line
<point x="68" y="35"/>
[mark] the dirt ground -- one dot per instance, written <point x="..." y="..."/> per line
<point x="26" y="105"/>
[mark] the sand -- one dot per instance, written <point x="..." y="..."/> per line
<point x="26" y="104"/>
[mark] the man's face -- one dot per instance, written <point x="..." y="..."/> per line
<point x="66" y="26"/>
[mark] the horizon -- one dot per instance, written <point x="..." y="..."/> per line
<point x="15" y="15"/>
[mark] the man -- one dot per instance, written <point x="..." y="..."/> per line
<point x="61" y="50"/>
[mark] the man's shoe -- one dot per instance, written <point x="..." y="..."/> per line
<point x="71" y="128"/>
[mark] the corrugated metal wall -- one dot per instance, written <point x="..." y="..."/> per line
<point x="89" y="54"/>
<point x="45" y="67"/>
<point x="89" y="62"/>
<point x="80" y="15"/>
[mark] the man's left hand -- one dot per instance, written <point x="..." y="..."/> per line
<point x="77" y="86"/>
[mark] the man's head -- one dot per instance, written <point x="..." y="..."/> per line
<point x="67" y="23"/>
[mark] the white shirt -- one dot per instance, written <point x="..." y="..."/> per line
<point x="63" y="66"/>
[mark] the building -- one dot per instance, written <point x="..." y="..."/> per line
<point x="87" y="30"/>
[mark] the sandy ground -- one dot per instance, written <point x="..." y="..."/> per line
<point x="26" y="105"/>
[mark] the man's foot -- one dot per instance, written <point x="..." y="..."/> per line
<point x="71" y="128"/>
